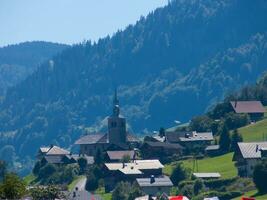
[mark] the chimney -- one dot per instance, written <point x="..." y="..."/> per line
<point x="235" y="103"/>
<point x="123" y="165"/>
<point x="257" y="148"/>
<point x="152" y="179"/>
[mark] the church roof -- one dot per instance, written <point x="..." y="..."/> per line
<point x="101" y="138"/>
<point x="92" y="139"/>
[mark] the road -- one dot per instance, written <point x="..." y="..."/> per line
<point x="79" y="192"/>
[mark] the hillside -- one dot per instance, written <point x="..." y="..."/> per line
<point x="169" y="66"/>
<point x="19" y="61"/>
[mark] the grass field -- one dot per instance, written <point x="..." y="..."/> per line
<point x="105" y="196"/>
<point x="29" y="179"/>
<point x="222" y="164"/>
<point x="254" y="132"/>
<point x="254" y="194"/>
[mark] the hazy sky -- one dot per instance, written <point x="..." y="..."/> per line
<point x="68" y="21"/>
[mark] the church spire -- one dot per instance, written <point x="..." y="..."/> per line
<point x="116" y="107"/>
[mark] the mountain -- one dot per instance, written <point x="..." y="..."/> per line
<point x="170" y="65"/>
<point x="20" y="60"/>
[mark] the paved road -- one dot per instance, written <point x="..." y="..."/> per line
<point x="79" y="192"/>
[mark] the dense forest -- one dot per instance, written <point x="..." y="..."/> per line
<point x="20" y="60"/>
<point x="170" y="65"/>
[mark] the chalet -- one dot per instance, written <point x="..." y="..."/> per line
<point x="155" y="149"/>
<point x="248" y="155"/>
<point x="254" y="109"/>
<point x="59" y="156"/>
<point x="117" y="137"/>
<point x="190" y="138"/>
<point x="115" y="172"/>
<point x="155" y="185"/>
<point x="117" y="156"/>
<point x="213" y="150"/>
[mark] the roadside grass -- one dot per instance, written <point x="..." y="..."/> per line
<point x="222" y="164"/>
<point x="253" y="193"/>
<point x="254" y="132"/>
<point x="29" y="179"/>
<point x="105" y="196"/>
<point x="74" y="182"/>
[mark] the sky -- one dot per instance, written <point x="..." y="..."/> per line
<point x="68" y="21"/>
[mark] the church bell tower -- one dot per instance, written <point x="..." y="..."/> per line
<point x="116" y="124"/>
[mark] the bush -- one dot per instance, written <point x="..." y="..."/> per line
<point x="126" y="191"/>
<point x="198" y="186"/>
<point x="12" y="187"/>
<point x="91" y="183"/>
<point x="179" y="173"/>
<point x="47" y="171"/>
<point x="260" y="176"/>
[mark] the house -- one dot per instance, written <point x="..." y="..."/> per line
<point x="189" y="139"/>
<point x="207" y="175"/>
<point x="212" y="198"/>
<point x="160" y="149"/>
<point x="117" y="156"/>
<point x="254" y="109"/>
<point x="59" y="156"/>
<point x="117" y="137"/>
<point x="155" y="185"/>
<point x="248" y="155"/>
<point x="115" y="172"/>
<point x="162" y="197"/>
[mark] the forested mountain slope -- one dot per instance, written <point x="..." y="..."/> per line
<point x="18" y="61"/>
<point x="169" y="66"/>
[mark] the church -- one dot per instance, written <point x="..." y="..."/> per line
<point x="116" y="138"/>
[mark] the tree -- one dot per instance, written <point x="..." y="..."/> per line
<point x="161" y="132"/>
<point x="99" y="157"/>
<point x="260" y="176"/>
<point x="236" y="137"/>
<point x="121" y="191"/>
<point x="198" y="186"/>
<point x="225" y="140"/>
<point x="91" y="183"/>
<point x="2" y="169"/>
<point x="36" y="168"/>
<point x="47" y="170"/>
<point x="12" y="187"/>
<point x="125" y="158"/>
<point x="82" y="162"/>
<point x="179" y="173"/>
<point x="49" y="192"/>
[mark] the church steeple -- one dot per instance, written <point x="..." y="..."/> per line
<point x="116" y="106"/>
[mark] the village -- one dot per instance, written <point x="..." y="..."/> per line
<point x="119" y="157"/>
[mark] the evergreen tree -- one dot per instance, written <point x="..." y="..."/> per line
<point x="178" y="174"/>
<point x="260" y="176"/>
<point x="82" y="162"/>
<point x="236" y="137"/>
<point x="99" y="157"/>
<point x="225" y="140"/>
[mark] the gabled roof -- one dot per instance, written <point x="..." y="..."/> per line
<point x="90" y="159"/>
<point x="174" y="137"/>
<point x="92" y="139"/>
<point x="135" y="167"/>
<point x="57" y="159"/>
<point x="118" y="155"/>
<point x="55" y="150"/>
<point x="101" y="138"/>
<point x="212" y="147"/>
<point x="251" y="149"/>
<point x="165" y="145"/>
<point x="160" y="181"/>
<point x="44" y="149"/>
<point x="248" y="107"/>
<point x="207" y="175"/>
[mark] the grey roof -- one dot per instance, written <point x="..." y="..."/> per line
<point x="248" y="107"/>
<point x="101" y="138"/>
<point x="91" y="139"/>
<point x="118" y="155"/>
<point x="160" y="181"/>
<point x="174" y="137"/>
<point x="166" y="145"/>
<point x="55" y="150"/>
<point x="207" y="175"/>
<point x="212" y="147"/>
<point x="251" y="149"/>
